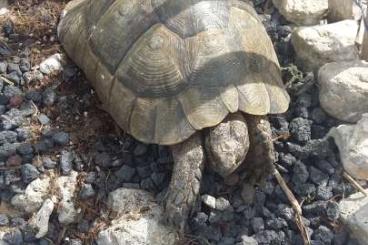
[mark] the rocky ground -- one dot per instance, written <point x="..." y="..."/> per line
<point x="61" y="155"/>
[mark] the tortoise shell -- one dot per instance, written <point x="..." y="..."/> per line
<point x="167" y="68"/>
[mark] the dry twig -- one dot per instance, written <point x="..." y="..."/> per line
<point x="354" y="183"/>
<point x="295" y="205"/>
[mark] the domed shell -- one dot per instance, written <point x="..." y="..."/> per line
<point x="167" y="68"/>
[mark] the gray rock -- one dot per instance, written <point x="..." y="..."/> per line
<point x="33" y="197"/>
<point x="145" y="228"/>
<point x="8" y="137"/>
<point x="14" y="68"/>
<point x="223" y="204"/>
<point x="35" y="96"/>
<point x="323" y="234"/>
<point x="66" y="162"/>
<point x="210" y="201"/>
<point x="257" y="224"/>
<point x="344" y="89"/>
<point x="61" y="138"/>
<point x="300" y="129"/>
<point x="248" y="193"/>
<point x="13" y="237"/>
<point x="353" y="214"/>
<point x="103" y="160"/>
<point x="29" y="173"/>
<point x="24" y="65"/>
<point x="324" y="193"/>
<point x="332" y="211"/>
<point x="318" y="177"/>
<point x="300" y="173"/>
<point x="40" y="220"/>
<point x="43" y="119"/>
<point x="25" y="149"/>
<point x="125" y="173"/>
<point x="351" y="141"/>
<point x="322" y="44"/>
<point x="3" y="67"/>
<point x="51" y="64"/>
<point x="4" y="220"/>
<point x="302" y="12"/>
<point x="67" y="210"/>
<point x="86" y="191"/>
<point x="247" y="240"/>
<point x="49" y="97"/>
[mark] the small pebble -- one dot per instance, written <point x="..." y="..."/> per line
<point x="4" y="220"/>
<point x="48" y="163"/>
<point x="29" y="173"/>
<point x="61" y="138"/>
<point x="43" y="119"/>
<point x="210" y="201"/>
<point x="86" y="191"/>
<point x="332" y="211"/>
<point x="257" y="224"/>
<point x="66" y="162"/>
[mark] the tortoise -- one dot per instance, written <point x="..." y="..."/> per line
<point x="200" y="76"/>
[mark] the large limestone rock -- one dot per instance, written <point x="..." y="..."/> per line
<point x="342" y="10"/>
<point x="138" y="220"/>
<point x="32" y="199"/>
<point x="354" y="214"/>
<point x="352" y="141"/>
<point x="318" y="45"/>
<point x="302" y="12"/>
<point x="344" y="89"/>
<point x="40" y="220"/>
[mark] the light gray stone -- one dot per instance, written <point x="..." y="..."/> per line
<point x="352" y="141"/>
<point x="67" y="210"/>
<point x="32" y="199"/>
<point x="52" y="64"/>
<point x="3" y="7"/>
<point x="138" y="221"/>
<point x="344" y="89"/>
<point x="319" y="45"/>
<point x="354" y="214"/>
<point x="40" y="220"/>
<point x="302" y="12"/>
<point x="210" y="201"/>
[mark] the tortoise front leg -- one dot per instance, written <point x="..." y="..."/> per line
<point x="185" y="182"/>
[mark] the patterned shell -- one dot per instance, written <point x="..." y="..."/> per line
<point x="167" y="68"/>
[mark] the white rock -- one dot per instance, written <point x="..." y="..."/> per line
<point x="354" y="214"/>
<point x="3" y="7"/>
<point x="352" y="141"/>
<point x="40" y="220"/>
<point x="210" y="201"/>
<point x="344" y="89"/>
<point x="2" y="242"/>
<point x="343" y="9"/>
<point x="33" y="197"/>
<point x="67" y="211"/>
<point x="318" y="45"/>
<point x="302" y="12"/>
<point x="51" y="64"/>
<point x="138" y="222"/>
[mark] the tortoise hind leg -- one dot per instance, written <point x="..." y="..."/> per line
<point x="185" y="181"/>
<point x="261" y="157"/>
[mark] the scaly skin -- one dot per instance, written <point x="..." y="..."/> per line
<point x="189" y="158"/>
<point x="185" y="181"/>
